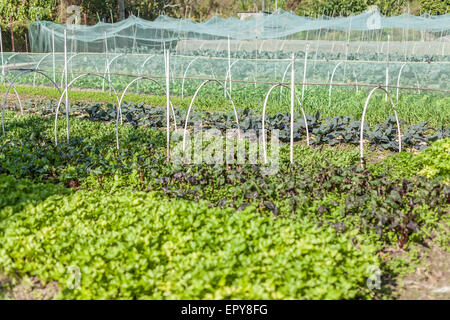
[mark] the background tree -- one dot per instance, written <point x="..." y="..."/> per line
<point x="434" y="7"/>
<point x="121" y="10"/>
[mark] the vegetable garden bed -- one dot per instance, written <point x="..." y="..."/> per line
<point x="137" y="226"/>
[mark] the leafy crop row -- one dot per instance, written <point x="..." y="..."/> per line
<point x="323" y="130"/>
<point x="137" y="226"/>
<point x="321" y="55"/>
<point x="139" y="246"/>
<point x="316" y="186"/>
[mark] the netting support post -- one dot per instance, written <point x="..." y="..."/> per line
<point x="53" y="59"/>
<point x="317" y="49"/>
<point x="229" y="67"/>
<point x="304" y="71"/>
<point x="106" y="58"/>
<point x="167" y="69"/>
<point x="347" y="46"/>
<point x="65" y="85"/>
<point x="1" y="55"/>
<point x="292" y="107"/>
<point x="134" y="39"/>
<point x="387" y="66"/>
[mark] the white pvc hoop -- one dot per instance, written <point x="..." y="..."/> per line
<point x="142" y="68"/>
<point x="192" y="102"/>
<point x="331" y="83"/>
<point x="70" y="58"/>
<point x="17" y="95"/>
<point x="11" y="85"/>
<point x="65" y="92"/>
<point x="107" y="69"/>
<point x="361" y="141"/>
<point x="10" y="57"/>
<point x="261" y="46"/>
<point x="282" y="79"/>
<point x="68" y="61"/>
<point x="184" y="76"/>
<point x="82" y="54"/>
<point x="228" y="76"/>
<point x="153" y="80"/>
<point x="264" y="118"/>
<point x="37" y="66"/>
<point x="399" y="75"/>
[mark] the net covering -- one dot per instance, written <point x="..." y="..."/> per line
<point x="138" y="35"/>
<point x="405" y="51"/>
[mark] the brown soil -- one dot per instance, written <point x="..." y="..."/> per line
<point x="431" y="279"/>
<point x="428" y="277"/>
<point x="27" y="289"/>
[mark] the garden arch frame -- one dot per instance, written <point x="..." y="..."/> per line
<point x="71" y="66"/>
<point x="10" y="57"/>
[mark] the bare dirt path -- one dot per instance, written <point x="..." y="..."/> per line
<point x="431" y="279"/>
